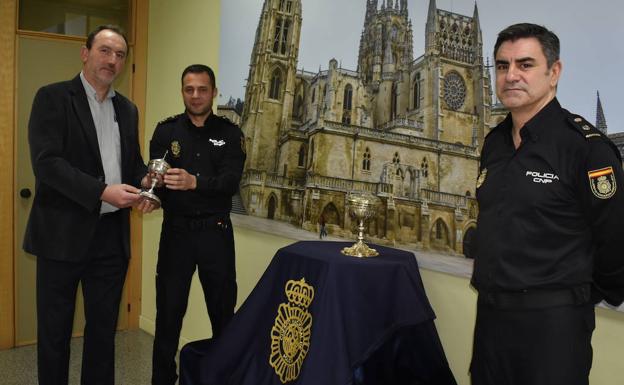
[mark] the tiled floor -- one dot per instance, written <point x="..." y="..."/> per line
<point x="133" y="362"/>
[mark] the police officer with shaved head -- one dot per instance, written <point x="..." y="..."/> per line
<point x="206" y="153"/>
<point x="549" y="238"/>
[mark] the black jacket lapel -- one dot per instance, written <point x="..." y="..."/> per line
<point x="83" y="111"/>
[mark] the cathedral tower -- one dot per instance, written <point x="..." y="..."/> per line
<point x="385" y="54"/>
<point x="460" y="83"/>
<point x="271" y="81"/>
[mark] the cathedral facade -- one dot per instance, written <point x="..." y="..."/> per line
<point x="406" y="129"/>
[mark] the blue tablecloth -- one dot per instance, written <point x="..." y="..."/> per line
<point x="317" y="317"/>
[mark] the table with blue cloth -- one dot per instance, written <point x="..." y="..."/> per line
<point x="318" y="317"/>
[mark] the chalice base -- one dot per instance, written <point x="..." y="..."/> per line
<point x="360" y="250"/>
<point x="150" y="196"/>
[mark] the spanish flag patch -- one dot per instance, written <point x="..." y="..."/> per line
<point x="602" y="182"/>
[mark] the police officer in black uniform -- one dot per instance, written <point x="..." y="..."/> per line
<point x="549" y="240"/>
<point x="206" y="154"/>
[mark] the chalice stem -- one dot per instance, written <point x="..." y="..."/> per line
<point x="361" y="231"/>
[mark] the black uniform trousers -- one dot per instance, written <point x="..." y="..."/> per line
<point x="102" y="276"/>
<point x="205" y="243"/>
<point x="538" y="346"/>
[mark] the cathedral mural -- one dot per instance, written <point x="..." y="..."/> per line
<point x="407" y="129"/>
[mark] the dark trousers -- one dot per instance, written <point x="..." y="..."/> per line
<point x="102" y="276"/>
<point x="186" y="244"/>
<point x="548" y="346"/>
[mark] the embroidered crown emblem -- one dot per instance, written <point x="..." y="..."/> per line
<point x="290" y="334"/>
<point x="299" y="293"/>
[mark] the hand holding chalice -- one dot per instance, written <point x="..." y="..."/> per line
<point x="156" y="169"/>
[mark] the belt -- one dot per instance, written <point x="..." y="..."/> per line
<point x="200" y="223"/>
<point x="536" y="299"/>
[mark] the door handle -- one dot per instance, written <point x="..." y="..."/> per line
<point x="25" y="193"/>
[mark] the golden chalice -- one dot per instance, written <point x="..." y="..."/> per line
<point x="362" y="206"/>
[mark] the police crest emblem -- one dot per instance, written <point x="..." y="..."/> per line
<point x="290" y="335"/>
<point x="481" y="177"/>
<point x="175" y="149"/>
<point x="602" y="182"/>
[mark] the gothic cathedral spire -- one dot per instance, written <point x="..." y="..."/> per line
<point x="601" y="122"/>
<point x="430" y="27"/>
<point x="385" y="54"/>
<point x="271" y="81"/>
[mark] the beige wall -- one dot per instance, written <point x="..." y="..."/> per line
<point x="180" y="33"/>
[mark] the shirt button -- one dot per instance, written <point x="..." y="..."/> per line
<point x="197" y="174"/>
<point x="197" y="154"/>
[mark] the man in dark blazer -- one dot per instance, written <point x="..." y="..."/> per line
<point x="85" y="154"/>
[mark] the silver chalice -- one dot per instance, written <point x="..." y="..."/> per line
<point x="156" y="169"/>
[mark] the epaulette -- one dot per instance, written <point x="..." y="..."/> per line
<point x="585" y="128"/>
<point x="170" y="119"/>
<point x="226" y="120"/>
<point x="589" y="132"/>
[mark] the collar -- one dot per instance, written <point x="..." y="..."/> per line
<point x="542" y="121"/>
<point x="503" y="129"/>
<point x="90" y="91"/>
<point x="192" y="125"/>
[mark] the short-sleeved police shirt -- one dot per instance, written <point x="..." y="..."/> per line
<point x="551" y="211"/>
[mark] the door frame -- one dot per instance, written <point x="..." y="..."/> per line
<point x="8" y="186"/>
<point x="8" y="23"/>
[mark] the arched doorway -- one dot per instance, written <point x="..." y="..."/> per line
<point x="271" y="207"/>
<point x="439" y="238"/>
<point x="469" y="242"/>
<point x="331" y="215"/>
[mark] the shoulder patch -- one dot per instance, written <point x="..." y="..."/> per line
<point x="170" y="119"/>
<point x="602" y="182"/>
